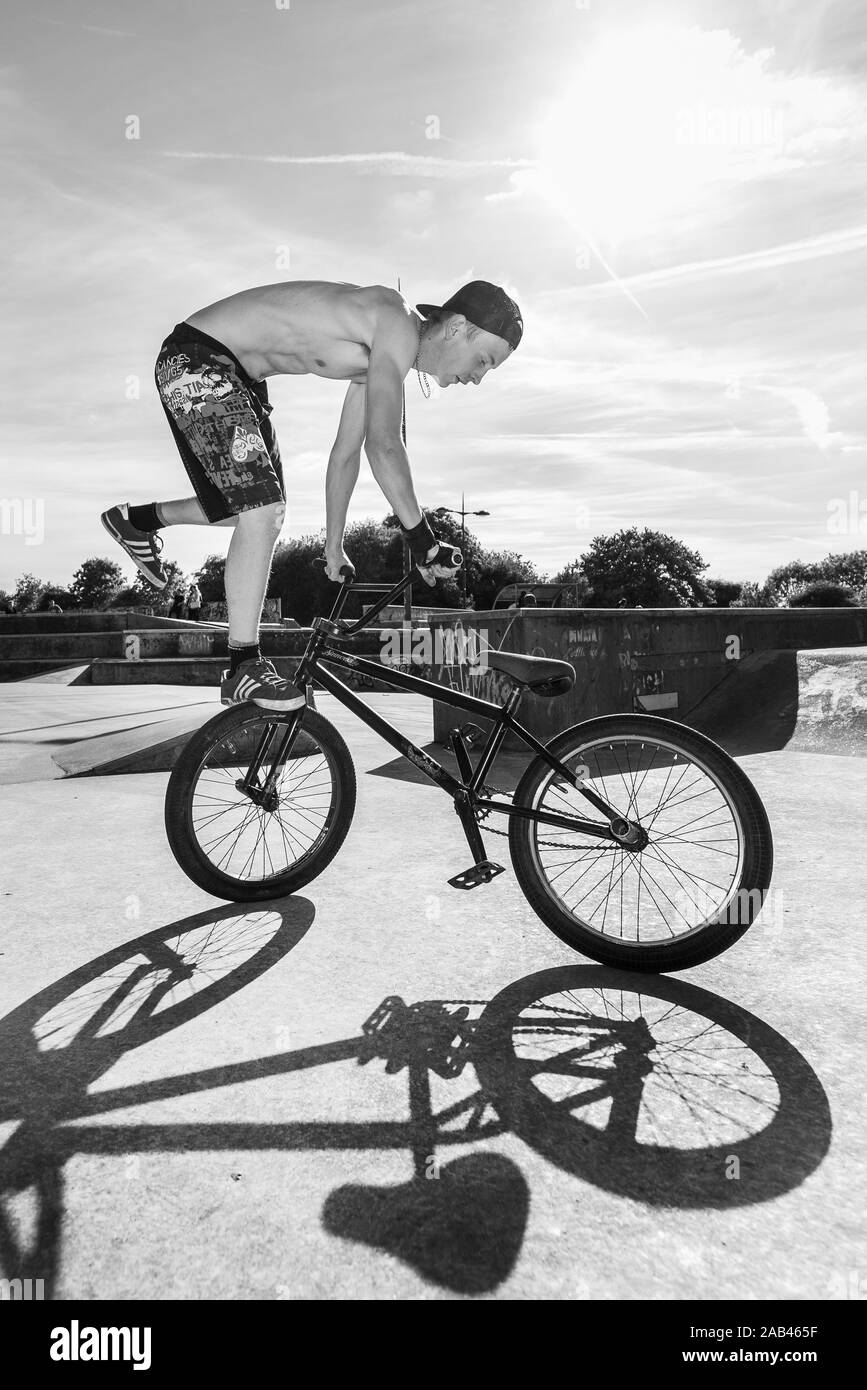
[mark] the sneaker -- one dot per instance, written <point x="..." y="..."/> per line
<point x="142" y="547"/>
<point x="259" y="682"/>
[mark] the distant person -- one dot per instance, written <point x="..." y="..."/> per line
<point x="194" y="602"/>
<point x="527" y="599"/>
<point x="177" y="608"/>
<point x="211" y="376"/>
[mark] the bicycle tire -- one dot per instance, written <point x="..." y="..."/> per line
<point x="701" y="943"/>
<point x="180" y="801"/>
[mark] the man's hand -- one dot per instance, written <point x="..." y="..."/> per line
<point x="441" y="562"/>
<point x="335" y="556"/>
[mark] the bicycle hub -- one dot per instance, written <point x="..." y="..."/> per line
<point x="629" y="835"/>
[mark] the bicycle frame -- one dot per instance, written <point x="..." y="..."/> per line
<point x="321" y="647"/>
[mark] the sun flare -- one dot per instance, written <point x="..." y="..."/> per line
<point x="651" y="117"/>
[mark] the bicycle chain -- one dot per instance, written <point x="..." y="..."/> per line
<point x="481" y="814"/>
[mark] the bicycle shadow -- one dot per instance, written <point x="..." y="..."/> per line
<point x="573" y="1061"/>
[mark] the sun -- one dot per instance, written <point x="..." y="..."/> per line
<point x="633" y="139"/>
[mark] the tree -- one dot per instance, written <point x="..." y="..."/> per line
<point x="160" y="599"/>
<point x="446" y="593"/>
<point x="646" y="568"/>
<point x="848" y="569"/>
<point x="753" y="595"/>
<point x="487" y="570"/>
<point x="211" y="579"/>
<point x="724" y="592"/>
<point x="95" y="582"/>
<point x="304" y="589"/>
<point x="787" y="579"/>
<point x="130" y="597"/>
<point x="28" y="592"/>
<point x="64" y="598"/>
<point x="498" y="568"/>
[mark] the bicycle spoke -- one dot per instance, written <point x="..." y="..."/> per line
<point x="240" y="837"/>
<point x="684" y="874"/>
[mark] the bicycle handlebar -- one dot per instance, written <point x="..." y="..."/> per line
<point x="347" y="569"/>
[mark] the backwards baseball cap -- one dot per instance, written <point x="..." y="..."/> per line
<point x="488" y="307"/>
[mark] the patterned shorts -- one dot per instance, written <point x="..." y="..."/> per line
<point x="219" y="417"/>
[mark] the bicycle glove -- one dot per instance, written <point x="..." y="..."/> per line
<point x="442" y="562"/>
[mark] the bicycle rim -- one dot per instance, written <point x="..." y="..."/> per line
<point x="686" y="878"/>
<point x="243" y="841"/>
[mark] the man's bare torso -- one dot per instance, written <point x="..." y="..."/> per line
<point x="307" y="326"/>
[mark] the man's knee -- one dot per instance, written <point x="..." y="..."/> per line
<point x="271" y="516"/>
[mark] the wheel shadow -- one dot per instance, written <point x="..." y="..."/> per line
<point x="655" y="1090"/>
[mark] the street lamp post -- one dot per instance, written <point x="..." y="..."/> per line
<point x="463" y="514"/>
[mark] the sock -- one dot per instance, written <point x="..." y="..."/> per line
<point x="146" y="518"/>
<point x="239" y="654"/>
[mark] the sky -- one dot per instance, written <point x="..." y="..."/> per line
<point x="673" y="192"/>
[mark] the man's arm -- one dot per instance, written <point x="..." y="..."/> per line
<point x="393" y="348"/>
<point x="344" y="462"/>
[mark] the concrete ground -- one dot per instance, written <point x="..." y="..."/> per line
<point x="189" y="1107"/>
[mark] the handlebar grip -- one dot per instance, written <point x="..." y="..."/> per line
<point x="348" y="570"/>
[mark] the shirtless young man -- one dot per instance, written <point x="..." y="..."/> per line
<point x="210" y="374"/>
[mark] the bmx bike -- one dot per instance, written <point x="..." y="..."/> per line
<point x="638" y="841"/>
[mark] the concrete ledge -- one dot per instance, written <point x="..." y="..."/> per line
<point x="87" y="620"/>
<point x="201" y="670"/>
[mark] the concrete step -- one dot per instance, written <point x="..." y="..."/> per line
<point x="70" y="646"/>
<point x="202" y="670"/>
<point x="143" y="644"/>
<point x="87" y="620"/>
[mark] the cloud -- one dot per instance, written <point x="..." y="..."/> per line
<point x="375" y="162"/>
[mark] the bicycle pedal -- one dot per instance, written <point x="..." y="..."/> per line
<point x="390" y="1013"/>
<point x="470" y="733"/>
<point x="479" y="873"/>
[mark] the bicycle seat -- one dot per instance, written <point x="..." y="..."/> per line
<point x="540" y="675"/>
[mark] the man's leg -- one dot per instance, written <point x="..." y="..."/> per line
<point x="248" y="565"/>
<point x="187" y="511"/>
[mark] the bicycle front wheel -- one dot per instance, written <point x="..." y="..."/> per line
<point x="250" y="848"/>
<point x="694" y="883"/>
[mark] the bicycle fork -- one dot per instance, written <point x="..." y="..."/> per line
<point x="266" y="795"/>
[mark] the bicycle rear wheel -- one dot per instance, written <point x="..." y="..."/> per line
<point x="238" y="849"/>
<point x="690" y="891"/>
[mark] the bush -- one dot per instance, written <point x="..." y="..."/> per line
<point x="823" y="595"/>
<point x="724" y="592"/>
